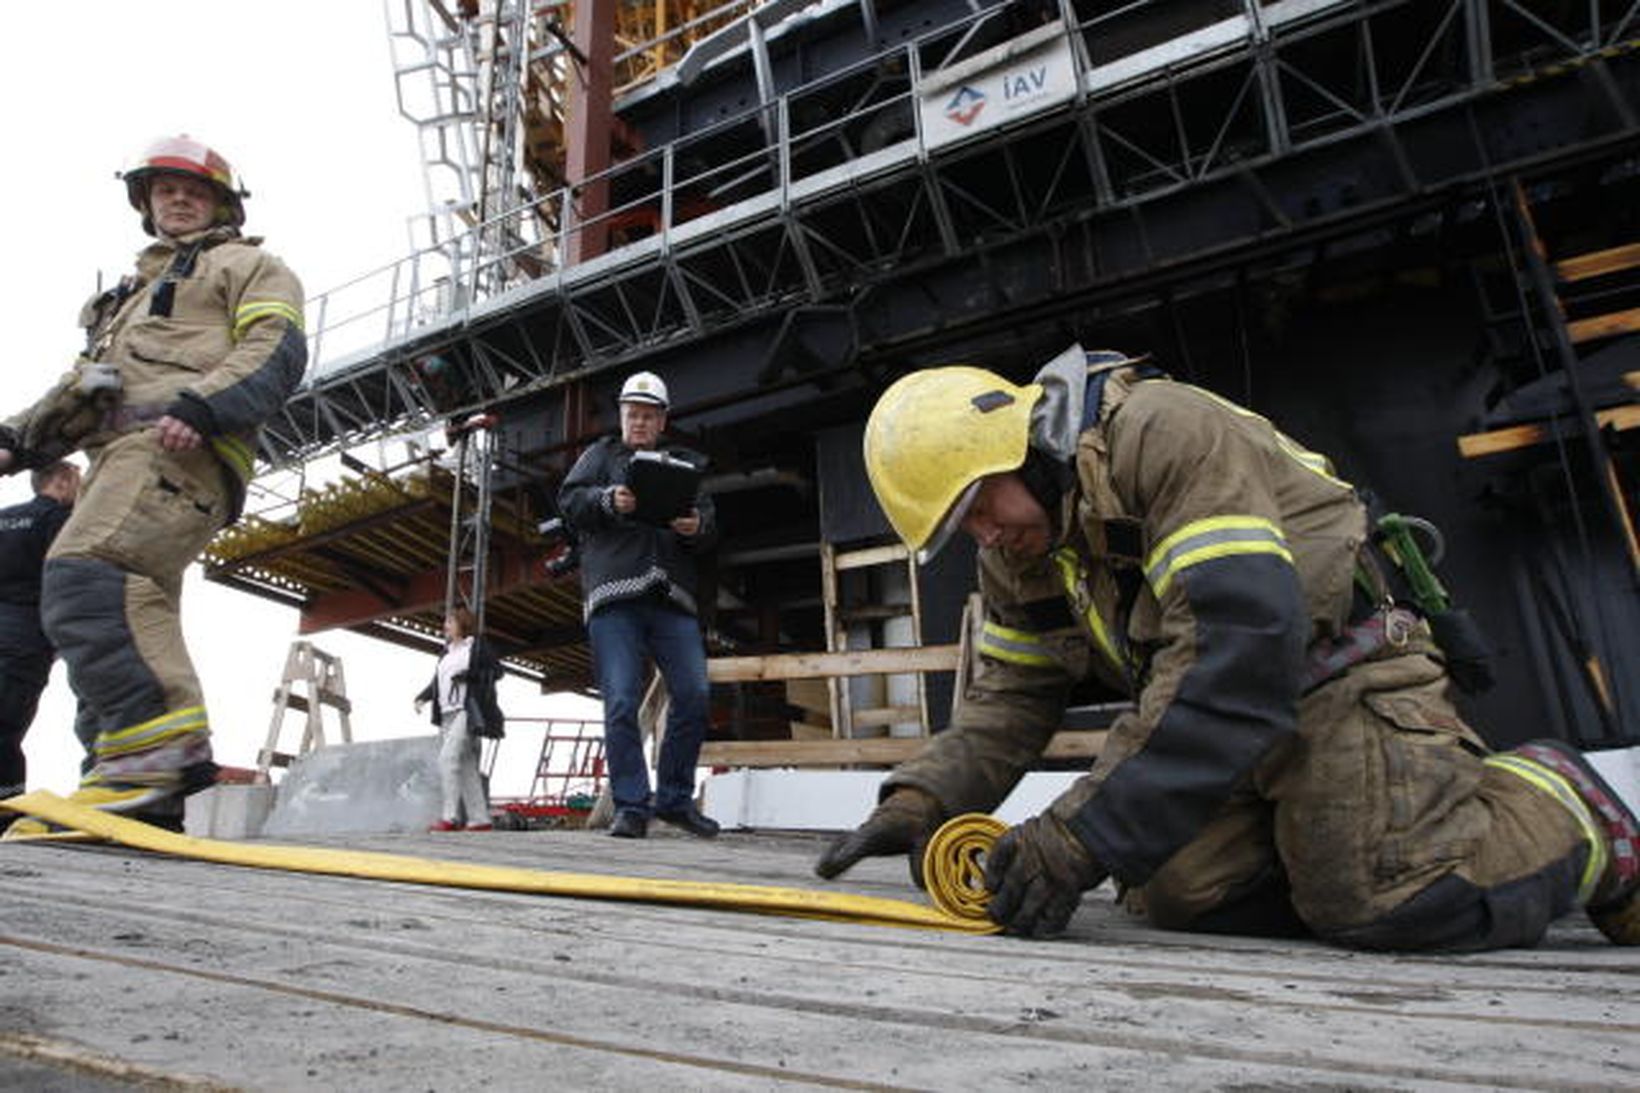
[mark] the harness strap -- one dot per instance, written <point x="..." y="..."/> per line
<point x="161" y="300"/>
<point x="1361" y="641"/>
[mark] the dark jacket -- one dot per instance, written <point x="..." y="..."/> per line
<point x="484" y="716"/>
<point x="26" y="532"/>
<point x="622" y="558"/>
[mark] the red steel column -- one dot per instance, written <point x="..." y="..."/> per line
<point x="590" y="105"/>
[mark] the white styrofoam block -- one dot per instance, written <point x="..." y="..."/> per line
<point x="833" y="800"/>
<point x="1035" y="792"/>
<point x="1620" y="768"/>
<point x="228" y="811"/>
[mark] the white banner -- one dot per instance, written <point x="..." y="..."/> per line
<point x="1015" y="80"/>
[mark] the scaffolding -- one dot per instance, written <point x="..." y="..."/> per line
<point x="487" y="85"/>
<point x="795" y="232"/>
<point x="1168" y="147"/>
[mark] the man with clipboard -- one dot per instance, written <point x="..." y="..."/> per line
<point x="641" y="520"/>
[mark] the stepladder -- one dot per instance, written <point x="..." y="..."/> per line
<point x="872" y="601"/>
<point x="312" y="682"/>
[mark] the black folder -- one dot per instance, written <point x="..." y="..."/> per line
<point x="664" y="485"/>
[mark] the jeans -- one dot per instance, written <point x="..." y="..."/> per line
<point x="622" y="634"/>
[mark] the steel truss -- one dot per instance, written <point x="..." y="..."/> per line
<point x="1297" y="121"/>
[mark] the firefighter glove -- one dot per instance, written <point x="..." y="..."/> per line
<point x="900" y="825"/>
<point x="1037" y="873"/>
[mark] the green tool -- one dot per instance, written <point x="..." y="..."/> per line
<point x="1398" y="535"/>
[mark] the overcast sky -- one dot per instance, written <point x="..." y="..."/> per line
<point x="299" y="96"/>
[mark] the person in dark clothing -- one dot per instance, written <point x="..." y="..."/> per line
<point x="26" y="532"/>
<point x="638" y="584"/>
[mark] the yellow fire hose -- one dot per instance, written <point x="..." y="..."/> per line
<point x="954" y="865"/>
<point x="949" y="871"/>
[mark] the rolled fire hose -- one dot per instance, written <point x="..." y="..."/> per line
<point x="954" y="866"/>
<point x="798" y="902"/>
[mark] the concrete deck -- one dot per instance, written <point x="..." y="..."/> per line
<point x="117" y="966"/>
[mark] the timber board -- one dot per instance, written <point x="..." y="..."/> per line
<point x="244" y="978"/>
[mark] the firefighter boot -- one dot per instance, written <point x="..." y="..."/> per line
<point x="1610" y="891"/>
<point x="157" y="805"/>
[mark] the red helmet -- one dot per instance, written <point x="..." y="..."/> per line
<point x="183" y="155"/>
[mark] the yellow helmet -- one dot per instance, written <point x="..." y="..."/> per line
<point x="931" y="438"/>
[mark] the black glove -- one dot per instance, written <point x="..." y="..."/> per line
<point x="900" y="825"/>
<point x="1037" y="873"/>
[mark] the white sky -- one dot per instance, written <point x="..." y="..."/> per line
<point x="299" y="97"/>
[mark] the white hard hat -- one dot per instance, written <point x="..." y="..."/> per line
<point x="644" y="387"/>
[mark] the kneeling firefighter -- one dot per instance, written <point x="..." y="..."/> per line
<point x="184" y="360"/>
<point x="1292" y="762"/>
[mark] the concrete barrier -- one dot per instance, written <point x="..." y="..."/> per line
<point x="375" y="787"/>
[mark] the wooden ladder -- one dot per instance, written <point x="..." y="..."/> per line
<point x="844" y="612"/>
<point x="321" y="673"/>
<point x="1582" y="302"/>
<point x="1556" y="283"/>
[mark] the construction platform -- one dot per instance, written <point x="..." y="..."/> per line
<point x="120" y="967"/>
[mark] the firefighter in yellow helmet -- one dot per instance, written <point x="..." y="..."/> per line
<point x="1292" y="762"/>
<point x="183" y="361"/>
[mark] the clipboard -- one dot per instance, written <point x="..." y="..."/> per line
<point x="664" y="485"/>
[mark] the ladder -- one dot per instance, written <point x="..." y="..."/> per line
<point x="1573" y="309"/>
<point x="470" y="530"/>
<point x="571" y="763"/>
<point x="484" y="85"/>
<point x="321" y="673"/>
<point x="871" y="601"/>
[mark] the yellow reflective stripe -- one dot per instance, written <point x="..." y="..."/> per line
<point x="1071" y="574"/>
<point x="1215" y="537"/>
<point x="1014" y="646"/>
<point x="262" y="309"/>
<point x="236" y="453"/>
<point x="151" y="733"/>
<point x="1314" y="462"/>
<point x="1554" y="784"/>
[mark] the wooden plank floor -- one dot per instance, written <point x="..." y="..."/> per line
<point x="117" y="966"/>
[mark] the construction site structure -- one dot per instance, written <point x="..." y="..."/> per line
<point x="1401" y="229"/>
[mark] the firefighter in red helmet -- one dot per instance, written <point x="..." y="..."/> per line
<point x="183" y="361"/>
<point x="177" y="158"/>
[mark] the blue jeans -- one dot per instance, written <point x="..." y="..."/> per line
<point x="623" y="635"/>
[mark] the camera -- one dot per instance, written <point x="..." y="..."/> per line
<point x="566" y="556"/>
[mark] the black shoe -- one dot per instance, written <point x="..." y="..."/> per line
<point x="691" y="820"/>
<point x="629" y="825"/>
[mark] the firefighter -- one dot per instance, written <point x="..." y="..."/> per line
<point x="1292" y="763"/>
<point x="183" y="361"/>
